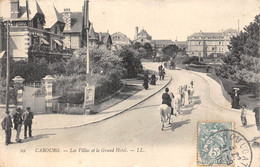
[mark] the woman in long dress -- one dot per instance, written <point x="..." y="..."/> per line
<point x="177" y="101"/>
<point x="186" y="96"/>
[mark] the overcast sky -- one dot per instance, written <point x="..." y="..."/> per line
<point x="163" y="19"/>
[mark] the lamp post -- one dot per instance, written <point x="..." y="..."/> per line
<point x="87" y="36"/>
<point x="7" y="66"/>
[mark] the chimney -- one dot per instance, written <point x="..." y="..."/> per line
<point x="15" y="9"/>
<point x="67" y="19"/>
<point x="136" y="32"/>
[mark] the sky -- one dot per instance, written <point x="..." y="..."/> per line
<point x="162" y="19"/>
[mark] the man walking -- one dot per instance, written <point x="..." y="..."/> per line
<point x="17" y="119"/>
<point x="7" y="126"/>
<point x="28" y="117"/>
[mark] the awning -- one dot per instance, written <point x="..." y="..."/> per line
<point x="43" y="41"/>
<point x="57" y="42"/>
<point x="2" y="54"/>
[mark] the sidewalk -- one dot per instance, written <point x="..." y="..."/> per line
<point x="58" y="121"/>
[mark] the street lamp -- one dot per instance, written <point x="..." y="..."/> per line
<point x="7" y="66"/>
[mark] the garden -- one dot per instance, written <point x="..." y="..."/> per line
<point x="107" y="69"/>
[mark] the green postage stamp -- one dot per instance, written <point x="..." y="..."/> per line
<point x="218" y="144"/>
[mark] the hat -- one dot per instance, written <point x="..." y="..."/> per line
<point x="28" y="108"/>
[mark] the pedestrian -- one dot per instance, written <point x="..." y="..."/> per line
<point x="27" y="118"/>
<point x="7" y="127"/>
<point x="163" y="73"/>
<point x="18" y="121"/>
<point x="235" y="98"/>
<point x="243" y="115"/>
<point x="153" y="79"/>
<point x="256" y="110"/>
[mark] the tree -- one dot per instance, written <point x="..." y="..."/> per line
<point x="130" y="62"/>
<point x="170" y="51"/>
<point x="246" y="43"/>
<point x="137" y="45"/>
<point x="242" y="64"/>
<point x="149" y="50"/>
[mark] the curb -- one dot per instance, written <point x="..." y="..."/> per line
<point x="167" y="83"/>
<point x="231" y="109"/>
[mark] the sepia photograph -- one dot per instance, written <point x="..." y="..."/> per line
<point x="129" y="83"/>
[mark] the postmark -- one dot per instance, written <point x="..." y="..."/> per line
<point x="220" y="145"/>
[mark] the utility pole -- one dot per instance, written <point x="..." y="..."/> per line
<point x="7" y="67"/>
<point x="87" y="36"/>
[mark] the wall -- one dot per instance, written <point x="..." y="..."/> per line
<point x="19" y="45"/>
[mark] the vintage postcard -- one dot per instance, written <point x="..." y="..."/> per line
<point x="129" y="83"/>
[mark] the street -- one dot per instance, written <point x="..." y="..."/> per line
<point x="134" y="137"/>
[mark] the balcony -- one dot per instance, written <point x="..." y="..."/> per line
<point x="42" y="51"/>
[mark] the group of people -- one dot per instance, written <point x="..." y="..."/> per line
<point x="161" y="71"/>
<point x="152" y="79"/>
<point x="183" y="97"/>
<point x="18" y="119"/>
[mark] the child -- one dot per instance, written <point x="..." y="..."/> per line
<point x="243" y="116"/>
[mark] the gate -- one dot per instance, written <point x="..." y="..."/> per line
<point x="36" y="103"/>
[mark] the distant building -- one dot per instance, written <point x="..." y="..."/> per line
<point x="159" y="44"/>
<point x="205" y="43"/>
<point x="142" y="36"/>
<point x="119" y="39"/>
<point x="75" y="34"/>
<point x="33" y="30"/>
<point x="73" y="29"/>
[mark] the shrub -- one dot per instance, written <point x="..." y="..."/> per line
<point x="12" y="95"/>
<point x="73" y="111"/>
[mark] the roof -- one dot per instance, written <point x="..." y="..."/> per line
<point x="52" y="16"/>
<point x="92" y="33"/>
<point x="76" y="22"/>
<point x="34" y="8"/>
<point x="162" y="42"/>
<point x="119" y="33"/>
<point x="143" y="33"/>
<point x="104" y="37"/>
<point x="230" y="30"/>
<point x="207" y="34"/>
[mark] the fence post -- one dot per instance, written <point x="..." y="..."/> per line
<point x="48" y="97"/>
<point x="18" y="83"/>
<point x="68" y="106"/>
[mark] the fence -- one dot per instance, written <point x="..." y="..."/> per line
<point x="67" y="108"/>
<point x="34" y="85"/>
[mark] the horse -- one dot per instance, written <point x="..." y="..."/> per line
<point x="190" y="92"/>
<point x="177" y="101"/>
<point x="165" y="112"/>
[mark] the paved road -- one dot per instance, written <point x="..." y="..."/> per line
<point x="138" y="129"/>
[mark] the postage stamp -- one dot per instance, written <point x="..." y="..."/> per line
<point x="218" y="144"/>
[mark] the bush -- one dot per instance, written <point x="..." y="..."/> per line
<point x="73" y="111"/>
<point x="193" y="60"/>
<point x="12" y="95"/>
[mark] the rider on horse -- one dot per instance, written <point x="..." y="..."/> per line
<point x="166" y="99"/>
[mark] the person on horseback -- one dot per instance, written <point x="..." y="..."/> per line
<point x="166" y="99"/>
